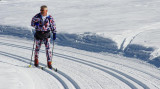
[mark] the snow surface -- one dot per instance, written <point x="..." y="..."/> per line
<point x="76" y="69"/>
<point x="124" y="23"/>
<point x="94" y="42"/>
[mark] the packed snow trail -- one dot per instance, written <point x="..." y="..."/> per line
<point x="129" y="26"/>
<point x="77" y="69"/>
<point x="123" y="24"/>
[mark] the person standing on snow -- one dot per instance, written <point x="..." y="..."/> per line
<point x="43" y="24"/>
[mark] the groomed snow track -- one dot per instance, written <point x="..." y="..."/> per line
<point x="80" y="69"/>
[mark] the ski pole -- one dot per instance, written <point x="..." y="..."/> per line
<point x="55" y="69"/>
<point x="32" y="48"/>
<point x="52" y="49"/>
<point x="32" y="53"/>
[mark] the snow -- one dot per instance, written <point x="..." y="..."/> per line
<point x="120" y="21"/>
<point x="77" y="69"/>
<point x="106" y="44"/>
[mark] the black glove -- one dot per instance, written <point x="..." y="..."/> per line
<point x="54" y="36"/>
<point x="36" y="23"/>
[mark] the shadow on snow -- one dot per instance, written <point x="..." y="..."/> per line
<point x="88" y="42"/>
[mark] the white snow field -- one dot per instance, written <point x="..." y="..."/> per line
<point x="101" y="44"/>
<point x="77" y="69"/>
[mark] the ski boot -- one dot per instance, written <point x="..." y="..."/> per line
<point x="50" y="65"/>
<point x="36" y="64"/>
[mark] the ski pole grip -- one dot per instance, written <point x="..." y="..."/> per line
<point x="33" y="31"/>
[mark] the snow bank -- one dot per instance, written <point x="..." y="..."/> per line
<point x="127" y="27"/>
<point x="91" y="42"/>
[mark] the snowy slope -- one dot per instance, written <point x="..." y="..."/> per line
<point x="126" y="26"/>
<point x="94" y="42"/>
<point x="77" y="69"/>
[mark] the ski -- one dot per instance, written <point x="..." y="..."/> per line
<point x="44" y="67"/>
<point x="40" y="67"/>
<point x="55" y="69"/>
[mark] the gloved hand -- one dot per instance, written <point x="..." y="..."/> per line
<point x="54" y="36"/>
<point x="36" y="23"/>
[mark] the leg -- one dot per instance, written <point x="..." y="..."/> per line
<point x="38" y="46"/>
<point x="48" y="52"/>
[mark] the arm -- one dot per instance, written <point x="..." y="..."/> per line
<point x="53" y="27"/>
<point x="34" y="22"/>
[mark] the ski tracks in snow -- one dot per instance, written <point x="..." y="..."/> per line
<point x="77" y="70"/>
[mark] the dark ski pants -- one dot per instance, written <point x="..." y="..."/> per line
<point x="47" y="46"/>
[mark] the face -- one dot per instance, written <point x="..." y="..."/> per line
<point x="44" y="11"/>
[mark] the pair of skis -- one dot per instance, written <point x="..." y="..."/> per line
<point x="54" y="69"/>
<point x="43" y="68"/>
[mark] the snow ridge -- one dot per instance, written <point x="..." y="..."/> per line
<point x="76" y="68"/>
<point x="91" y="42"/>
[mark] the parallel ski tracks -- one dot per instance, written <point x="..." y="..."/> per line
<point x="74" y="84"/>
<point x="19" y="58"/>
<point x="105" y="69"/>
<point x="132" y="68"/>
<point x="113" y="72"/>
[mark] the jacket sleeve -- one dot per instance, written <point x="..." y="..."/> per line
<point x="33" y="22"/>
<point x="52" y="24"/>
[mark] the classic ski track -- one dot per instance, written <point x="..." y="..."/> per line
<point x="75" y="85"/>
<point x="115" y="75"/>
<point x="107" y="70"/>
<point x="83" y="62"/>
<point x="77" y="73"/>
<point x="92" y="57"/>
<point x="115" y="63"/>
<point x="19" y="58"/>
<point x="111" y="79"/>
<point x="58" y="72"/>
<point x="51" y="72"/>
<point x="132" y="68"/>
<point x="123" y="74"/>
<point x="48" y="71"/>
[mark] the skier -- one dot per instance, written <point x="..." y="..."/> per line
<point x="43" y="24"/>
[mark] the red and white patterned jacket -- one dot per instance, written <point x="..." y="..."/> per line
<point x="47" y="25"/>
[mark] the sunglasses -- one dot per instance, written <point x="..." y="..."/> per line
<point x="42" y="10"/>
